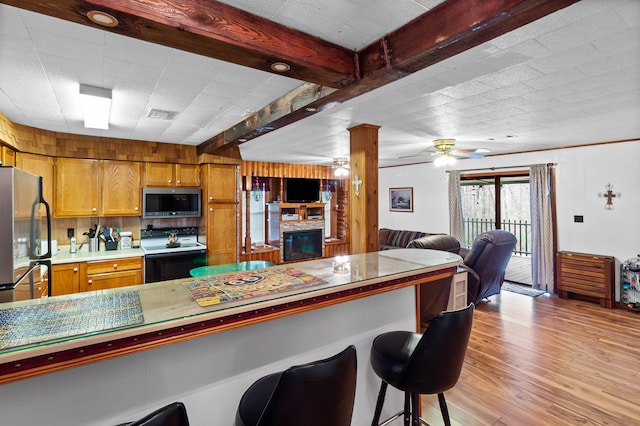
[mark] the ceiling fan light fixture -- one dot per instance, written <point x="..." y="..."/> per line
<point x="444" y="160"/>
<point x="342" y="166"/>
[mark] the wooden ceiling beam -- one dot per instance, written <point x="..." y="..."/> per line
<point x="215" y="30"/>
<point x="445" y="31"/>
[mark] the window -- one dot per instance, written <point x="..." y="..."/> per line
<point x="497" y="202"/>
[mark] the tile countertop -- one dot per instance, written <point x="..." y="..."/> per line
<point x="84" y="255"/>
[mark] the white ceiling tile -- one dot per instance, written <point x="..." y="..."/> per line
<point x="125" y="49"/>
<point x="12" y="24"/>
<point x="567" y="59"/>
<point x="577" y="33"/>
<point x="630" y="11"/>
<point x="510" y="76"/>
<point x="468" y="88"/>
<point x="90" y="50"/>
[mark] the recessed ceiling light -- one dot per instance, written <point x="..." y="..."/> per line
<point x="280" y="67"/>
<point x="311" y="109"/>
<point x="102" y="18"/>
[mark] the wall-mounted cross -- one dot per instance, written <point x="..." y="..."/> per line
<point x="357" y="182"/>
<point x="609" y="195"/>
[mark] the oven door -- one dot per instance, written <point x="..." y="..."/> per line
<point x="171" y="266"/>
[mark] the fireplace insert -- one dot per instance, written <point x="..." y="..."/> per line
<point x="300" y="245"/>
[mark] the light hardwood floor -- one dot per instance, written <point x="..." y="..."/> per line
<point x="546" y="361"/>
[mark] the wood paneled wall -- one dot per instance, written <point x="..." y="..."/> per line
<point x="284" y="170"/>
<point x="36" y="141"/>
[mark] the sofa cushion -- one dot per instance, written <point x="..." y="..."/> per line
<point x="400" y="238"/>
<point x="383" y="236"/>
<point x="442" y="242"/>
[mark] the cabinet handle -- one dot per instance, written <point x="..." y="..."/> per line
<point x="210" y="198"/>
<point x="90" y="282"/>
<point x="75" y="269"/>
<point x="169" y="181"/>
<point x="136" y="209"/>
<point x="94" y="209"/>
<point x="210" y="209"/>
<point x="115" y="266"/>
<point x="178" y="181"/>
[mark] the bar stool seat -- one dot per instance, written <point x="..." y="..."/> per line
<point x="418" y="364"/>
<point x="174" y="414"/>
<point x="319" y="393"/>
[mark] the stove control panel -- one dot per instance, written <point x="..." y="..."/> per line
<point x="187" y="231"/>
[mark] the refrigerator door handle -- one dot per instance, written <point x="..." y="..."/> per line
<point x="35" y="239"/>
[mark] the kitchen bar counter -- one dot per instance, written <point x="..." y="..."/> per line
<point x="369" y="293"/>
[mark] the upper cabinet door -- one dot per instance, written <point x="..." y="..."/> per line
<point x="121" y="188"/>
<point x="7" y="156"/>
<point x="76" y="188"/>
<point x="159" y="174"/>
<point x="40" y="165"/>
<point x="167" y="174"/>
<point x="187" y="175"/>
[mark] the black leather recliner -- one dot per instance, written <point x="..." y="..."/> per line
<point x="486" y="263"/>
<point x="434" y="296"/>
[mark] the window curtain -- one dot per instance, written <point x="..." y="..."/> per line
<point x="541" y="228"/>
<point x="455" y="207"/>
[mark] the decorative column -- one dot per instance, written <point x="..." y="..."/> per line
<point x="363" y="204"/>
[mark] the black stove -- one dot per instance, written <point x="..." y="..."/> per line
<point x="171" y="253"/>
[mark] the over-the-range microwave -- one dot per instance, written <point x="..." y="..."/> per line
<point x="171" y="202"/>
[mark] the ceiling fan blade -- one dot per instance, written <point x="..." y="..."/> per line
<point x="421" y="154"/>
<point x="468" y="155"/>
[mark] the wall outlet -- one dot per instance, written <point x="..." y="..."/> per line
<point x="70" y="232"/>
<point x="578" y="219"/>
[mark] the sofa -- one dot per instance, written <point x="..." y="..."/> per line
<point x="395" y="238"/>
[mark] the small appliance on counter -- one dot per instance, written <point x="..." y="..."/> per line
<point x="125" y="240"/>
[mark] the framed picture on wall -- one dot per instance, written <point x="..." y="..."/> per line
<point x="401" y="199"/>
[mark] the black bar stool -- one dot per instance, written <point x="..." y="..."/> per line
<point x="416" y="364"/>
<point x="319" y="393"/>
<point x="174" y="414"/>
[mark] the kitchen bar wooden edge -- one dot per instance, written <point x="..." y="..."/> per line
<point x="92" y="349"/>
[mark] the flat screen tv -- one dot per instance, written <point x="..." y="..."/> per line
<point x="298" y="190"/>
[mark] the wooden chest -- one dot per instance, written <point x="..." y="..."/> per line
<point x="586" y="276"/>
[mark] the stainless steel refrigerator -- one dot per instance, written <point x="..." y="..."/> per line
<point x="25" y="264"/>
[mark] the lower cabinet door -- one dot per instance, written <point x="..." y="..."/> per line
<point x="113" y="280"/>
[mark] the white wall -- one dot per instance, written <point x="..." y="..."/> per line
<point x="580" y="174"/>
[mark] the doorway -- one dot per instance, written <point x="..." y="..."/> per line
<point x="500" y="201"/>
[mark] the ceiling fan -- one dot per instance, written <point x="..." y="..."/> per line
<point x="446" y="155"/>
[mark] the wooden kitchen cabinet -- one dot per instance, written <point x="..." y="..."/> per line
<point x="66" y="278"/>
<point x="172" y="175"/>
<point x="7" y="156"/>
<point x="121" y="183"/>
<point x="221" y="213"/>
<point x="96" y="275"/>
<point x="112" y="273"/>
<point x="86" y="188"/>
<point x="40" y="165"/>
<point x="77" y="187"/>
